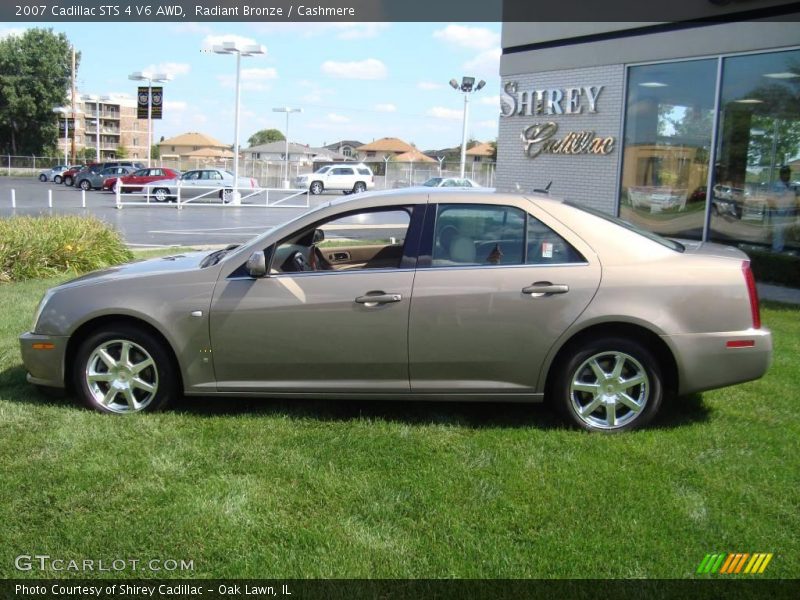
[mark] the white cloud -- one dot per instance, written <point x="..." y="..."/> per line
<point x="216" y="40"/>
<point x="440" y="112"/>
<point x="429" y="85"/>
<point x="316" y="94"/>
<point x="370" y="68"/>
<point x="476" y="38"/>
<point x="487" y="63"/>
<point x="251" y="79"/>
<point x="490" y="100"/>
<point x="4" y="33"/>
<point x="172" y="69"/>
<point x="334" y="118"/>
<point x="488" y="124"/>
<point x="175" y="105"/>
<point x="388" y="107"/>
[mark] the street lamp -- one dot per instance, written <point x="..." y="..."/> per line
<point x="96" y="100"/>
<point x="63" y="110"/>
<point x="239" y="51"/>
<point x="149" y="78"/>
<point x="467" y="86"/>
<point x="287" y="110"/>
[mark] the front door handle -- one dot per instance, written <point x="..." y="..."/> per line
<point x="543" y="288"/>
<point x="374" y="299"/>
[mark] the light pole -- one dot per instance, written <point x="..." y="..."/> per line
<point x="149" y="78"/>
<point x="467" y="87"/>
<point x="96" y="100"/>
<point x="239" y="51"/>
<point x="63" y="110"/>
<point x="288" y="111"/>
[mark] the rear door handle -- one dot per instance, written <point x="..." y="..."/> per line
<point x="543" y="288"/>
<point x="379" y="298"/>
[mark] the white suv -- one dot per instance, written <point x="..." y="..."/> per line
<point x="344" y="177"/>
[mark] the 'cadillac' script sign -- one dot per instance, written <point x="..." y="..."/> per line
<point x="540" y="138"/>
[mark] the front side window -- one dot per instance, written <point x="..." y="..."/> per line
<point x="367" y="239"/>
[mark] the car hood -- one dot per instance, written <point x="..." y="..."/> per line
<point x="167" y="264"/>
<point x="711" y="249"/>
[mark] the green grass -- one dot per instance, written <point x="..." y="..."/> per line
<point x="259" y="488"/>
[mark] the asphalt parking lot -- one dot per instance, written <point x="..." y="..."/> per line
<point x="158" y="224"/>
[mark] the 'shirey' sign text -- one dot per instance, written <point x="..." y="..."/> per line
<point x="540" y="138"/>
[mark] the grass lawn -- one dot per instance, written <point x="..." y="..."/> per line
<point x="257" y="488"/>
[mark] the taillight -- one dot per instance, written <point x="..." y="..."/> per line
<point x="752" y="292"/>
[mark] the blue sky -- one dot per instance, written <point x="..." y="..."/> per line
<point x="358" y="81"/>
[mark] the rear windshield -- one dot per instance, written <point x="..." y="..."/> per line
<point x="671" y="244"/>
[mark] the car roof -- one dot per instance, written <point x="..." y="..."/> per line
<point x="419" y="195"/>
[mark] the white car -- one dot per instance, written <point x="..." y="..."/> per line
<point x="345" y="178"/>
<point x="451" y="182"/>
<point x="51" y="174"/>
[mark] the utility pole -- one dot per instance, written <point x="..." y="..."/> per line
<point x="74" y="92"/>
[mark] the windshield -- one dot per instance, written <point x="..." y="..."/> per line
<point x="654" y="237"/>
<point x="433" y="182"/>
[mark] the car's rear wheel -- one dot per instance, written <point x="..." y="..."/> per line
<point x="68" y="181"/>
<point x="85" y="185"/>
<point x="42" y="177"/>
<point x="226" y="196"/>
<point x="161" y="194"/>
<point x="316" y="187"/>
<point x="359" y="187"/>
<point x="609" y="384"/>
<point x="57" y="179"/>
<point x="124" y="370"/>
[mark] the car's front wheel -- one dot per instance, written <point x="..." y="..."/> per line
<point x="124" y="370"/>
<point x="316" y="187"/>
<point x="68" y="181"/>
<point x="86" y="185"/>
<point x="609" y="384"/>
<point x="161" y="194"/>
<point x="42" y="177"/>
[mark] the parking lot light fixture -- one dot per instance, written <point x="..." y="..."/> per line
<point x="97" y="100"/>
<point x="149" y="78"/>
<point x="288" y="111"/>
<point x="239" y="51"/>
<point x="467" y="87"/>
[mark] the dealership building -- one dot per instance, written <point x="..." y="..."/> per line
<point x="687" y="129"/>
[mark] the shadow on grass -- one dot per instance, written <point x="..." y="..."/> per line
<point x="680" y="412"/>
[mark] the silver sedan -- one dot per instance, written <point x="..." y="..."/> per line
<point x="200" y="183"/>
<point x="434" y="295"/>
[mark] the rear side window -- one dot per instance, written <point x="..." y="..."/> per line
<point x="342" y="172"/>
<point x="364" y="171"/>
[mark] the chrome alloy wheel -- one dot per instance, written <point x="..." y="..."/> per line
<point x="121" y="376"/>
<point x="609" y="390"/>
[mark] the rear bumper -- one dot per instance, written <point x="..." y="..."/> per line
<point x="705" y="361"/>
<point x="45" y="364"/>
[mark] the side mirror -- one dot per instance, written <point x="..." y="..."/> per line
<point x="257" y="265"/>
<point x="319" y="236"/>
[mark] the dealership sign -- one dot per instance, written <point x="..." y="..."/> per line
<point x="154" y="102"/>
<point x="540" y="138"/>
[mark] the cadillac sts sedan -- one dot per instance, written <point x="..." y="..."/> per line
<point x="425" y="294"/>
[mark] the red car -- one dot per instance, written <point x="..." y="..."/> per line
<point x="136" y="181"/>
<point x="68" y="176"/>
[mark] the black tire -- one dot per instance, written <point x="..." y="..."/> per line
<point x="68" y="180"/>
<point x="43" y="178"/>
<point x="85" y="184"/>
<point x="316" y="188"/>
<point x="359" y="187"/>
<point x="142" y="345"/>
<point x="609" y="415"/>
<point x="58" y="179"/>
<point x="163" y="193"/>
<point x="226" y="196"/>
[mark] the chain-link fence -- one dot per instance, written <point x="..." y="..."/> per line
<point x="23" y="166"/>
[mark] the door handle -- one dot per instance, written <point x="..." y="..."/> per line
<point x="378" y="298"/>
<point x="544" y="288"/>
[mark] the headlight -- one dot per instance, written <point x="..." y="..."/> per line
<point x="39" y="309"/>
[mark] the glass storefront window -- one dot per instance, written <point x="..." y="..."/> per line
<point x="669" y="121"/>
<point x="757" y="172"/>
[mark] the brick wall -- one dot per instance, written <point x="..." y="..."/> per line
<point x="584" y="178"/>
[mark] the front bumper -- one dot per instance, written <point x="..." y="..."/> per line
<point x="44" y="358"/>
<point x="705" y="361"/>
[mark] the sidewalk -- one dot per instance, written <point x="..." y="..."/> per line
<point x="778" y="293"/>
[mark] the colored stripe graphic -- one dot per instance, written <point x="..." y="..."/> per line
<point x="735" y="563"/>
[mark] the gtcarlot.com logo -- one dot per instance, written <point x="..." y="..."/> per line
<point x="734" y="563"/>
<point x="45" y="562"/>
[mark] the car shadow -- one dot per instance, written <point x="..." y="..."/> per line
<point x="681" y="412"/>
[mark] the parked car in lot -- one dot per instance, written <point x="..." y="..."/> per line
<point x="67" y="177"/>
<point x="70" y="177"/>
<point x="90" y="180"/>
<point x="451" y="182"/>
<point x="199" y="182"/>
<point x="135" y="182"/>
<point x="340" y="177"/>
<point x="50" y="174"/>
<point x="434" y="294"/>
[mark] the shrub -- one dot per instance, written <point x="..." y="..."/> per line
<point x="34" y="247"/>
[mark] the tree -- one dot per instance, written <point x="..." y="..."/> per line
<point x="34" y="78"/>
<point x="155" y="151"/>
<point x="89" y="154"/>
<point x="121" y="152"/>
<point x="265" y="136"/>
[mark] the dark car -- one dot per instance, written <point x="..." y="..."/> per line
<point x="89" y="180"/>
